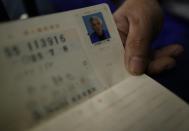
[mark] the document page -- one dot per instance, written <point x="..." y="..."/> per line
<point x="51" y="63"/>
<point x="135" y="104"/>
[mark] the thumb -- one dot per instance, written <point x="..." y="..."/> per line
<point x="137" y="45"/>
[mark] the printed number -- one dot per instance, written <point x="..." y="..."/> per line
<point x="44" y="42"/>
<point x="50" y="41"/>
<point x="62" y="38"/>
<point x="51" y="51"/>
<point x="12" y="51"/>
<point x="36" y="57"/>
<point x="56" y="40"/>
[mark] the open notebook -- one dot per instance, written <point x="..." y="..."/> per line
<point x="65" y="72"/>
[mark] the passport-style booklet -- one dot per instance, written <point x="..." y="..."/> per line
<point x="66" y="72"/>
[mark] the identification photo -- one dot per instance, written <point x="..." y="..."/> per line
<point x="96" y="28"/>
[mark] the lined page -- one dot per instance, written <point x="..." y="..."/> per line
<point x="135" y="104"/>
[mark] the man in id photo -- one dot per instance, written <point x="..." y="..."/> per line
<point x="99" y="31"/>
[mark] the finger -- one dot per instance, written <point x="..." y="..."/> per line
<point x="122" y="26"/>
<point x="123" y="37"/>
<point x="161" y="64"/>
<point x="171" y="50"/>
<point x="137" y="44"/>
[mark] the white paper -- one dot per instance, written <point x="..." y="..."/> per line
<point x="49" y="64"/>
<point x="135" y="104"/>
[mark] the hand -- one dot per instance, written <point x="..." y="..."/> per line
<point x="138" y="21"/>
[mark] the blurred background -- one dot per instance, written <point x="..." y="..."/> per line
<point x="175" y="30"/>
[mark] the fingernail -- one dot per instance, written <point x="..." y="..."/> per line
<point x="137" y="65"/>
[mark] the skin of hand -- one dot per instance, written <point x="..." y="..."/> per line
<point x="138" y="22"/>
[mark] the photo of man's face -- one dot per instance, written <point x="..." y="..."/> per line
<point x="96" y="27"/>
<point x="96" y="24"/>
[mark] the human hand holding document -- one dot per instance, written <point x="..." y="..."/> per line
<point x="66" y="72"/>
